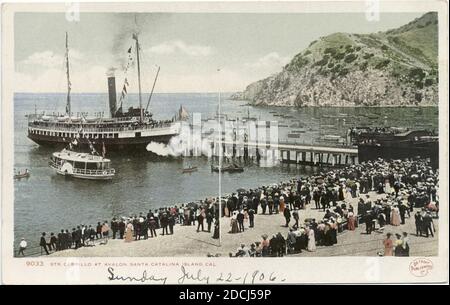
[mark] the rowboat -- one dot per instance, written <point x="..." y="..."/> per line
<point x="26" y="174"/>
<point x="190" y="169"/>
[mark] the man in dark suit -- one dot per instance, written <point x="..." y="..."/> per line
<point x="53" y="242"/>
<point x="164" y="223"/>
<point x="136" y="227"/>
<point x="92" y="233"/>
<point x="78" y="238"/>
<point x="114" y="227"/>
<point x="396" y="188"/>
<point x="287" y="215"/>
<point x="402" y="209"/>
<point x="152" y="226"/>
<point x="369" y="223"/>
<point x="43" y="243"/>
<point x="144" y="228"/>
<point x="121" y="227"/>
<point x="209" y="219"/>
<point x="240" y="220"/>
<point x="61" y="241"/>
<point x="200" y="220"/>
<point x="418" y="222"/>
<point x="74" y="237"/>
<point x="171" y="223"/>
<point x="427" y="224"/>
<point x="99" y="230"/>
<point x="69" y="239"/>
<point x="251" y="217"/>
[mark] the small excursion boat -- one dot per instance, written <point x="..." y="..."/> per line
<point x="81" y="165"/>
<point x="20" y="175"/>
<point x="190" y="169"/>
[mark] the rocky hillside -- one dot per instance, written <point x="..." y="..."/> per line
<point x="396" y="67"/>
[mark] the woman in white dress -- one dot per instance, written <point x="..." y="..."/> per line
<point x="395" y="216"/>
<point x="387" y="187"/>
<point x="311" y="241"/>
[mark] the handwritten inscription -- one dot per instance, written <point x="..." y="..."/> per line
<point x="199" y="276"/>
<point x="144" y="278"/>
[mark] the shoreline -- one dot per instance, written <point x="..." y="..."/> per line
<point x="332" y="106"/>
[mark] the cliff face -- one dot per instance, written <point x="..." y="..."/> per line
<point x="397" y="67"/>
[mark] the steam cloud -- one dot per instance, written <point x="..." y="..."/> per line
<point x="181" y="143"/>
<point x="174" y="148"/>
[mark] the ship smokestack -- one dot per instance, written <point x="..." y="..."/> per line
<point x="112" y="95"/>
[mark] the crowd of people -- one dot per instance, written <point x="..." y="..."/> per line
<point x="407" y="184"/>
<point x="203" y="215"/>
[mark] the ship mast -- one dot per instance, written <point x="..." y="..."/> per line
<point x="139" y="78"/>
<point x="68" y="106"/>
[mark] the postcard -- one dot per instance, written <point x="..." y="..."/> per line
<point x="224" y="142"/>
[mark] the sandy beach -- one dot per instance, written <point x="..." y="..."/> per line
<point x="187" y="242"/>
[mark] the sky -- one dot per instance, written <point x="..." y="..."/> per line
<point x="197" y="52"/>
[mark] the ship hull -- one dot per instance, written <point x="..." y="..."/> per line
<point x="400" y="150"/>
<point x="111" y="144"/>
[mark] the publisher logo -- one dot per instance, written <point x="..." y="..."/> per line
<point x="420" y="267"/>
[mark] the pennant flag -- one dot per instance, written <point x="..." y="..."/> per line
<point x="129" y="50"/>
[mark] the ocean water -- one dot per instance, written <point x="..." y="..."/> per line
<point x="47" y="202"/>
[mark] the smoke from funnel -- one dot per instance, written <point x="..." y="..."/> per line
<point x="110" y="72"/>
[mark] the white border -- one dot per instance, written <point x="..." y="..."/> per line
<point x="293" y="270"/>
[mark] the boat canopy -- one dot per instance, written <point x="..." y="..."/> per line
<point x="69" y="155"/>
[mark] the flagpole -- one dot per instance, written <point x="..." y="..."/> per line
<point x="68" y="105"/>
<point x="220" y="168"/>
<point x="141" y="116"/>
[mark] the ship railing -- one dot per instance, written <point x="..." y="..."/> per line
<point x="94" y="172"/>
<point x="82" y="171"/>
<point x="99" y="129"/>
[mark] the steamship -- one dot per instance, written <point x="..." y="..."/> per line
<point x="131" y="130"/>
<point x="395" y="143"/>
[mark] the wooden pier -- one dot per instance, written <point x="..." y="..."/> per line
<point x="291" y="153"/>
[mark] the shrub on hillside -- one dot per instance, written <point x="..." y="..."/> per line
<point x="350" y="57"/>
